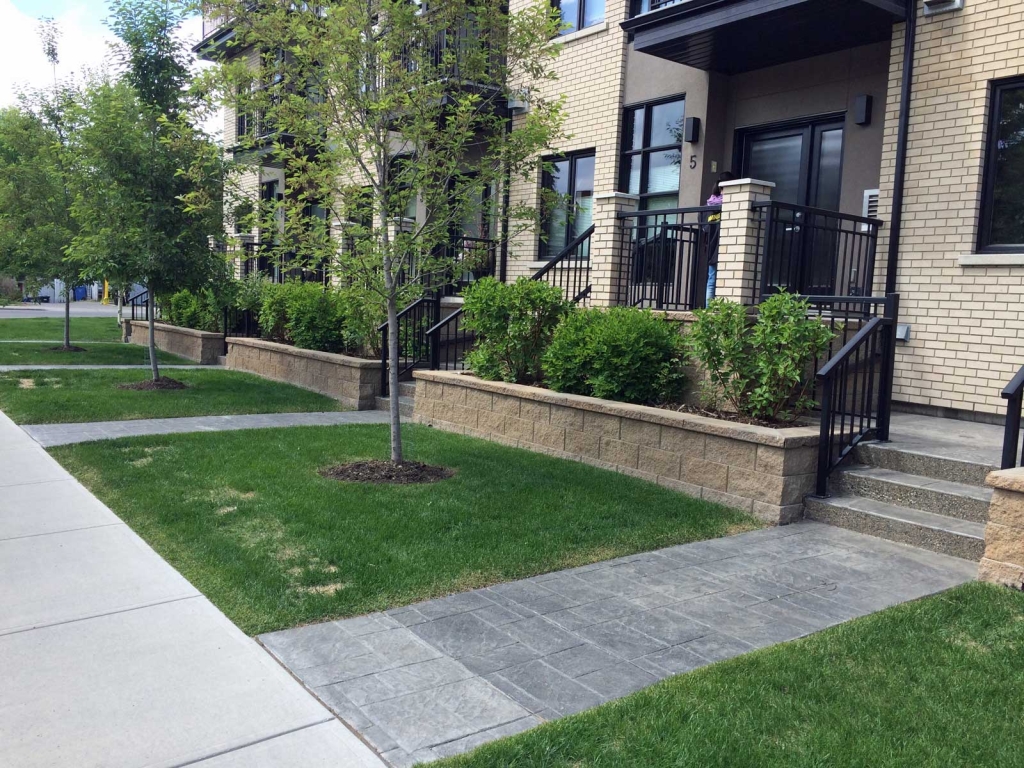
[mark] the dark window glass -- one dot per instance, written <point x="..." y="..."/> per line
<point x="572" y="179"/>
<point x="651" y="153"/>
<point x="1002" y="216"/>
<point x="579" y="14"/>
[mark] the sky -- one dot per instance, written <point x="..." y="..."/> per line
<point x="83" y="43"/>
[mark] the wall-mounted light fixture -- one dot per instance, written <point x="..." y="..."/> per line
<point x="862" y="109"/>
<point x="691" y="130"/>
<point x="932" y="7"/>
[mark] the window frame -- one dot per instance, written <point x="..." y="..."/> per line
<point x="645" y="151"/>
<point x="543" y="252"/>
<point x="990" y="168"/>
<point x="581" y="15"/>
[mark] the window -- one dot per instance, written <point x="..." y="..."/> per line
<point x="652" y="154"/>
<point x="580" y="14"/>
<point x="1002" y="210"/>
<point x="572" y="179"/>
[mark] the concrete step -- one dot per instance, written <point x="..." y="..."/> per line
<point x="938" y="533"/>
<point x="222" y="360"/>
<point x="407" y="389"/>
<point x="920" y="462"/>
<point x="941" y="497"/>
<point x="405" y="405"/>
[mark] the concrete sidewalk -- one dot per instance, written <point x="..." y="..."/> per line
<point x="65" y="434"/>
<point x="109" y="657"/>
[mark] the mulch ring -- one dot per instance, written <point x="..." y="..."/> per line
<point x="387" y="473"/>
<point x="72" y="348"/>
<point x="162" y="383"/>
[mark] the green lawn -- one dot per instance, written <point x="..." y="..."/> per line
<point x="46" y="328"/>
<point x="931" y="684"/>
<point x="21" y="353"/>
<point x="58" y="396"/>
<point x="247" y="519"/>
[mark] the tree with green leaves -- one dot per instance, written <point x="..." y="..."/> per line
<point x="37" y="180"/>
<point x="142" y="155"/>
<point x="391" y="122"/>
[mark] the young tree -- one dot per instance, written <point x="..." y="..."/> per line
<point x="389" y="107"/>
<point x="37" y="176"/>
<point x="143" y="154"/>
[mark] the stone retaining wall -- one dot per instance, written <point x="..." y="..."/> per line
<point x="1003" y="561"/>
<point x="760" y="470"/>
<point x="202" y="347"/>
<point x="350" y="380"/>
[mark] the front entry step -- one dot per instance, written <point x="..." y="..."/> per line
<point x="920" y="462"/>
<point x="928" y="530"/>
<point x="405" y="405"/>
<point x="943" y="497"/>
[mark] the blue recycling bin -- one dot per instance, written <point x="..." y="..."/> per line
<point x="81" y="293"/>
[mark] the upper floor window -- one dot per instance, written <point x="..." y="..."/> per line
<point x="1002" y="210"/>
<point x="651" y="154"/>
<point x="571" y="178"/>
<point x="579" y="14"/>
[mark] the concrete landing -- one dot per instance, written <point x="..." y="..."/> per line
<point x="951" y="439"/>
<point x="109" y="657"/>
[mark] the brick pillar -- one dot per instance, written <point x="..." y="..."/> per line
<point x="738" y="243"/>
<point x="606" y="246"/>
<point x="1003" y="562"/>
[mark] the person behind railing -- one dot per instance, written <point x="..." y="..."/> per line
<point x="712" y="235"/>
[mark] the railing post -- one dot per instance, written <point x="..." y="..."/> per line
<point x="384" y="381"/>
<point x="824" y="437"/>
<point x="891" y="313"/>
<point x="1011" y="431"/>
<point x="606" y="244"/>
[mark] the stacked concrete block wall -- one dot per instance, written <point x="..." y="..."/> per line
<point x="762" y="471"/>
<point x="966" y="309"/>
<point x="201" y="347"/>
<point x="1003" y="562"/>
<point x="353" y="381"/>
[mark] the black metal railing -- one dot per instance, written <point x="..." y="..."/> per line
<point x="413" y="347"/>
<point x="240" y="323"/>
<point x="449" y="53"/>
<point x="570" y="269"/>
<point x="471" y="258"/>
<point x="854" y="387"/>
<point x="1013" y="394"/>
<point x="664" y="256"/>
<point x="139" y="304"/>
<point x="813" y="251"/>
<point x="450" y="341"/>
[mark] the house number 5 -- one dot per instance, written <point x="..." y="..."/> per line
<point x="693" y="162"/>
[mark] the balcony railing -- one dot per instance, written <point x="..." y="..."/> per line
<point x="663" y="257"/>
<point x="813" y="251"/>
<point x="212" y="25"/>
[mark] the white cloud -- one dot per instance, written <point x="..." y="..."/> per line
<point x="82" y="45"/>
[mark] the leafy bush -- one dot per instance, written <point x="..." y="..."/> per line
<point x="762" y="369"/>
<point x="199" y="311"/>
<point x="514" y="323"/>
<point x="9" y="292"/>
<point x="625" y="354"/>
<point x="274" y="311"/>
<point x="315" y="318"/>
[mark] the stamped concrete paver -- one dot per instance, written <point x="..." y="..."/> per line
<point x="109" y="657"/>
<point x="49" y="435"/>
<point x="442" y="677"/>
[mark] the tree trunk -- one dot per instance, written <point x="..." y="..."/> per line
<point x="151" y="313"/>
<point x="394" y="405"/>
<point x="120" y="317"/>
<point x="67" y="315"/>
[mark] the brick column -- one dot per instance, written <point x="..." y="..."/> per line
<point x="606" y="246"/>
<point x="737" y="245"/>
<point x="1003" y="562"/>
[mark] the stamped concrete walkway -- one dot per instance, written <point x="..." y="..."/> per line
<point x="48" y="435"/>
<point x="108" y="657"/>
<point x="442" y="677"/>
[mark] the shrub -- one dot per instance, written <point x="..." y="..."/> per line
<point x="9" y="291"/>
<point x="625" y="354"/>
<point x="274" y="311"/>
<point x="762" y="369"/>
<point x="315" y="318"/>
<point x="514" y="323"/>
<point x="198" y="311"/>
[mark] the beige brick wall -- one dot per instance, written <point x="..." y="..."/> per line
<point x="765" y="472"/>
<point x="591" y="71"/>
<point x="967" y="321"/>
<point x="199" y="346"/>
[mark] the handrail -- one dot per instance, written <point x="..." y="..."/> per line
<point x="1013" y="394"/>
<point x="436" y="328"/>
<point x="564" y="255"/>
<point x="668" y="211"/>
<point x="816" y="211"/>
<point x="855" y="388"/>
<point x="403" y="312"/>
<point x="415" y="345"/>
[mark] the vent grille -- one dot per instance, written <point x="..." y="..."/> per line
<point x="871" y="203"/>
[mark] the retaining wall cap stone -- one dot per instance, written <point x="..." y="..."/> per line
<point x="177" y="329"/>
<point x="285" y="349"/>
<point x="1007" y="479"/>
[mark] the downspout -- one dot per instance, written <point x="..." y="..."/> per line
<point x="902" y="133"/>
<point x="505" y="200"/>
